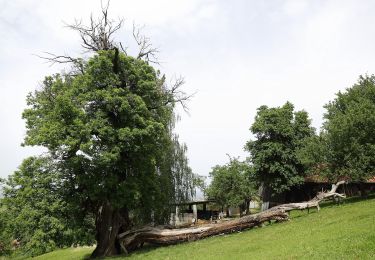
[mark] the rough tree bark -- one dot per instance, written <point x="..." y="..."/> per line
<point x="109" y="223"/>
<point x="134" y="239"/>
<point x="247" y="205"/>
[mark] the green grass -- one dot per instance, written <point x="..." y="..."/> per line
<point x="68" y="254"/>
<point x="336" y="232"/>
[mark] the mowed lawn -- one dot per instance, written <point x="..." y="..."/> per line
<point x="336" y="232"/>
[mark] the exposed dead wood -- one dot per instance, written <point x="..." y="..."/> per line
<point x="131" y="240"/>
<point x="313" y="203"/>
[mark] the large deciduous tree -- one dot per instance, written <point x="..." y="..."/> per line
<point x="279" y="132"/>
<point x="108" y="124"/>
<point x="349" y="132"/>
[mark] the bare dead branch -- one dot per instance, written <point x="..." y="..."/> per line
<point x="146" y="51"/>
<point x="175" y="95"/>
<point x="51" y="58"/>
<point x="179" y="96"/>
<point x="124" y="50"/>
<point x="98" y="34"/>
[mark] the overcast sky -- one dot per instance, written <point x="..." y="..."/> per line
<point x="237" y="56"/>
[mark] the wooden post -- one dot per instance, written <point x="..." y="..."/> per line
<point x="195" y="213"/>
<point x="265" y="205"/>
<point x="177" y="217"/>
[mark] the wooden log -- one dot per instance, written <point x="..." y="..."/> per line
<point x="133" y="239"/>
<point x="162" y="236"/>
<point x="313" y="202"/>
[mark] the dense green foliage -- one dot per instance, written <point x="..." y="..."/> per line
<point x="345" y="148"/>
<point x="349" y="131"/>
<point x="279" y="133"/>
<point x="109" y="132"/>
<point x="232" y="184"/>
<point x="34" y="212"/>
<point x="315" y="155"/>
<point x="106" y="127"/>
<point x="336" y="232"/>
<point x="5" y="236"/>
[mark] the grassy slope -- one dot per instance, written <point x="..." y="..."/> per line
<point x="68" y="254"/>
<point x="336" y="232"/>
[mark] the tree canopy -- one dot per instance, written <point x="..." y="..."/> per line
<point x="349" y="131"/>
<point x="344" y="149"/>
<point x="232" y="184"/>
<point x="279" y="132"/>
<point x="314" y="154"/>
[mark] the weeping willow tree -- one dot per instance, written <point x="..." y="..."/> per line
<point x="108" y="125"/>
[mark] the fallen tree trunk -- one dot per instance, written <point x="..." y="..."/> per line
<point x="313" y="202"/>
<point x="162" y="236"/>
<point x="131" y="240"/>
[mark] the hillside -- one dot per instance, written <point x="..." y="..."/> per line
<point x="336" y="232"/>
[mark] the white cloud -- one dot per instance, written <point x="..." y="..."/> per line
<point x="294" y="7"/>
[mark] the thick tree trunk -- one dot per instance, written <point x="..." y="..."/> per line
<point x="131" y="240"/>
<point x="265" y="194"/>
<point x="108" y="225"/>
<point x="247" y="205"/>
